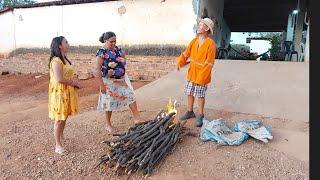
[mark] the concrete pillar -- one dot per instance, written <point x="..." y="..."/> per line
<point x="215" y="12"/>
<point x="290" y="27"/>
<point x="284" y="37"/>
<point x="290" y="31"/>
<point x="298" y="29"/>
<point x="306" y="55"/>
<point x="298" y="35"/>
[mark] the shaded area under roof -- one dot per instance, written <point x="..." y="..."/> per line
<point x="257" y="15"/>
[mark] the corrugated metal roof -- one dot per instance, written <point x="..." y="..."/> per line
<point x="52" y="3"/>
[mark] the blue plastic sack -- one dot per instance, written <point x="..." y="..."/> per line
<point x="255" y="129"/>
<point x="218" y="131"/>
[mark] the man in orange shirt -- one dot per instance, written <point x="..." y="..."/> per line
<point x="201" y="54"/>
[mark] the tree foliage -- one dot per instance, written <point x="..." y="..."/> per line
<point x="8" y="3"/>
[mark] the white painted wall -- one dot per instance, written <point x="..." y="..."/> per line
<point x="145" y="22"/>
<point x="7" y="42"/>
<point x="35" y="27"/>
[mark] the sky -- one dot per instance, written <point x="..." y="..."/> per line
<point x="259" y="46"/>
<point x="44" y="0"/>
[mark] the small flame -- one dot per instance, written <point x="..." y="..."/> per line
<point x="171" y="107"/>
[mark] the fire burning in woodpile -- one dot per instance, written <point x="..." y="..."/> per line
<point x="142" y="147"/>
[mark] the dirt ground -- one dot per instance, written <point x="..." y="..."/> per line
<point x="27" y="142"/>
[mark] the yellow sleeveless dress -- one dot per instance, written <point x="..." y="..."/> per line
<point x="63" y="99"/>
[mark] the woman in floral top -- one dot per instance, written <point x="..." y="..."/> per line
<point x="116" y="91"/>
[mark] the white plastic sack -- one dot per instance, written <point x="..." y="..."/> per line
<point x="127" y="80"/>
<point x="218" y="131"/>
<point x="255" y="129"/>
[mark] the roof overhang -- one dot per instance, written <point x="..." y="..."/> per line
<point x="258" y="15"/>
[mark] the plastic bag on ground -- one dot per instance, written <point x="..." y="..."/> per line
<point x="218" y="131"/>
<point x="255" y="129"/>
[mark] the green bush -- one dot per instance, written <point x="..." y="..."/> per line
<point x="143" y="50"/>
<point x="275" y="49"/>
<point x="29" y="50"/>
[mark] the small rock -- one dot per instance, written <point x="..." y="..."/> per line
<point x="39" y="159"/>
<point x="52" y="161"/>
<point x="195" y="175"/>
<point x="37" y="77"/>
<point x="5" y="73"/>
<point x="8" y="156"/>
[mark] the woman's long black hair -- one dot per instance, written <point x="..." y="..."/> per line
<point x="105" y="36"/>
<point x="55" y="50"/>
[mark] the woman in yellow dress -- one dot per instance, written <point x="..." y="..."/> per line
<point x="63" y="95"/>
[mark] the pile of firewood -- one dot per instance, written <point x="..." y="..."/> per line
<point x="143" y="146"/>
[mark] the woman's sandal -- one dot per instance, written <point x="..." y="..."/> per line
<point x="59" y="150"/>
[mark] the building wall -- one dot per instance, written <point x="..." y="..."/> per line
<point x="35" y="27"/>
<point x="139" y="67"/>
<point x="7" y="40"/>
<point x="134" y="22"/>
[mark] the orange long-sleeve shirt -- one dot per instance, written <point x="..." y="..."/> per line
<point x="201" y="60"/>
